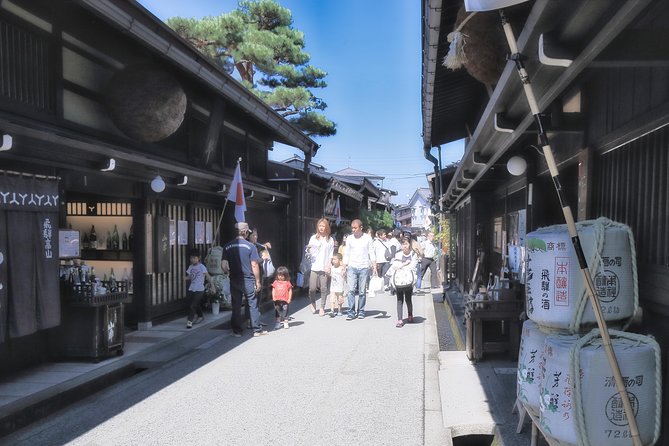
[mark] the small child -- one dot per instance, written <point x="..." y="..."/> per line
<point x="196" y="274"/>
<point x="336" y="285"/>
<point x="282" y="294"/>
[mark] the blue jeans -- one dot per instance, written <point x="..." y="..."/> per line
<point x="356" y="279"/>
<point x="419" y="276"/>
<point x="248" y="290"/>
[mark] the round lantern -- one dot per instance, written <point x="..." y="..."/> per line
<point x="516" y="165"/>
<point x="158" y="184"/>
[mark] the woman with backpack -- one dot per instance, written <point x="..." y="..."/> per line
<point x="403" y="278"/>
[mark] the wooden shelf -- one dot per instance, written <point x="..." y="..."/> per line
<point x="106" y="254"/>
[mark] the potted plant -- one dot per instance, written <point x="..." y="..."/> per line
<point x="214" y="298"/>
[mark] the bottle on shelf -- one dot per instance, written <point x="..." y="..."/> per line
<point x="109" y="240"/>
<point x="115" y="239"/>
<point x="125" y="278"/>
<point x="124" y="241"/>
<point x="93" y="238"/>
<point x="112" y="281"/>
<point x="130" y="282"/>
<point x="131" y="239"/>
<point x="85" y="241"/>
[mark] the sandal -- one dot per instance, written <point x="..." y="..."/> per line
<point x="399" y="324"/>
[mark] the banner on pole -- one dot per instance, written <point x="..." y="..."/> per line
<point x="236" y="195"/>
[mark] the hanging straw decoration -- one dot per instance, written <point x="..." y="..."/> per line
<point x="456" y="56"/>
<point x="478" y="45"/>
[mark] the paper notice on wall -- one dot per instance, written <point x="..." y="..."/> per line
<point x="209" y="232"/>
<point x="182" y="232"/>
<point x="173" y="232"/>
<point x="199" y="233"/>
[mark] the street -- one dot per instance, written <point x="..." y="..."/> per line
<point x="323" y="381"/>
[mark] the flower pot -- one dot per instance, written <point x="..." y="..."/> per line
<point x="215" y="307"/>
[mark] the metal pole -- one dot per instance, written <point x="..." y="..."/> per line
<point x="571" y="225"/>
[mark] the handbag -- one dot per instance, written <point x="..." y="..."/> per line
<point x="375" y="284"/>
<point x="404" y="278"/>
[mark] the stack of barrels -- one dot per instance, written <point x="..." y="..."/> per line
<point x="564" y="377"/>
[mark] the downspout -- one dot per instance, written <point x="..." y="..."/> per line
<point x="431" y="158"/>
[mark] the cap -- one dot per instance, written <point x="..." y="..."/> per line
<point x="242" y="226"/>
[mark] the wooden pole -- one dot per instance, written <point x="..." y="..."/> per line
<point x="571" y="226"/>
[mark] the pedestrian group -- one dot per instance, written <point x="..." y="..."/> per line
<point x="396" y="261"/>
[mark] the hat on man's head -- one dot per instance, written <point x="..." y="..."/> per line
<point x="242" y="226"/>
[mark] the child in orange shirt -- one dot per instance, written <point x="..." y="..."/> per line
<point x="282" y="294"/>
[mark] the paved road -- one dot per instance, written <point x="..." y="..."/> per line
<point x="323" y="381"/>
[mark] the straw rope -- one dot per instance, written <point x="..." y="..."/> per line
<point x="456" y="56"/>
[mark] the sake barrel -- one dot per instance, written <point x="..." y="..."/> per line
<point x="580" y="404"/>
<point x="529" y="365"/>
<point x="555" y="291"/>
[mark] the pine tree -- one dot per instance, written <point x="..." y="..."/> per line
<point x="257" y="38"/>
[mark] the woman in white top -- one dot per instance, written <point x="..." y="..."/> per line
<point x="319" y="250"/>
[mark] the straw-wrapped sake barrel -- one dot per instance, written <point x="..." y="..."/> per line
<point x="556" y="293"/>
<point x="588" y="410"/>
<point x="529" y="365"/>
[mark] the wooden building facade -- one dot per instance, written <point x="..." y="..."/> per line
<point x="142" y="135"/>
<point x="600" y="71"/>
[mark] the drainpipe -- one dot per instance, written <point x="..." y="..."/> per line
<point x="437" y="173"/>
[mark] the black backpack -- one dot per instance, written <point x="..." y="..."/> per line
<point x="390" y="252"/>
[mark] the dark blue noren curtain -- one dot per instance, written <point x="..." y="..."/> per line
<point x="30" y="294"/>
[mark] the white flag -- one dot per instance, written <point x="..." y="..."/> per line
<point x="489" y="5"/>
<point x="236" y="195"/>
<point x="337" y="212"/>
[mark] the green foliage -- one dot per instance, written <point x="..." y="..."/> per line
<point x="376" y="219"/>
<point x="258" y="38"/>
<point x="443" y="236"/>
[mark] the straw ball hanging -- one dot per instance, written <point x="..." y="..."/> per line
<point x="478" y="43"/>
<point x="145" y="102"/>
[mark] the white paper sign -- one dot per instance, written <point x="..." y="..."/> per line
<point x="209" y="232"/>
<point x="182" y="232"/>
<point x="199" y="232"/>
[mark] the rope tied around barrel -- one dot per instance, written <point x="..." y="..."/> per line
<point x="575" y="362"/>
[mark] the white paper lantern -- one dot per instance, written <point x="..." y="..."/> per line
<point x="157" y="184"/>
<point x="516" y="165"/>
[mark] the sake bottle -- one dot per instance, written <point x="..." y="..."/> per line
<point x="115" y="239"/>
<point x="109" y="240"/>
<point x="131" y="239"/>
<point x="124" y="241"/>
<point x="112" y="281"/>
<point x="93" y="238"/>
<point x="85" y="242"/>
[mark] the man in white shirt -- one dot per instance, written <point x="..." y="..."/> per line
<point x="381" y="246"/>
<point x="357" y="259"/>
<point x="429" y="260"/>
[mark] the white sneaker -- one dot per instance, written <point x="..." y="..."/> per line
<point x="285" y="325"/>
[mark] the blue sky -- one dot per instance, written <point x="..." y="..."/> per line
<point x="372" y="53"/>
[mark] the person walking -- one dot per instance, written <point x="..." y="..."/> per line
<point x="430" y="255"/>
<point x="337" y="281"/>
<point x="243" y="264"/>
<point x="404" y="266"/>
<point x="418" y="249"/>
<point x="196" y="275"/>
<point x="359" y="256"/>
<point x="320" y="249"/>
<point x="282" y="294"/>
<point x="383" y="254"/>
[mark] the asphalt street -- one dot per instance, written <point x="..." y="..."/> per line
<point x="322" y="381"/>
